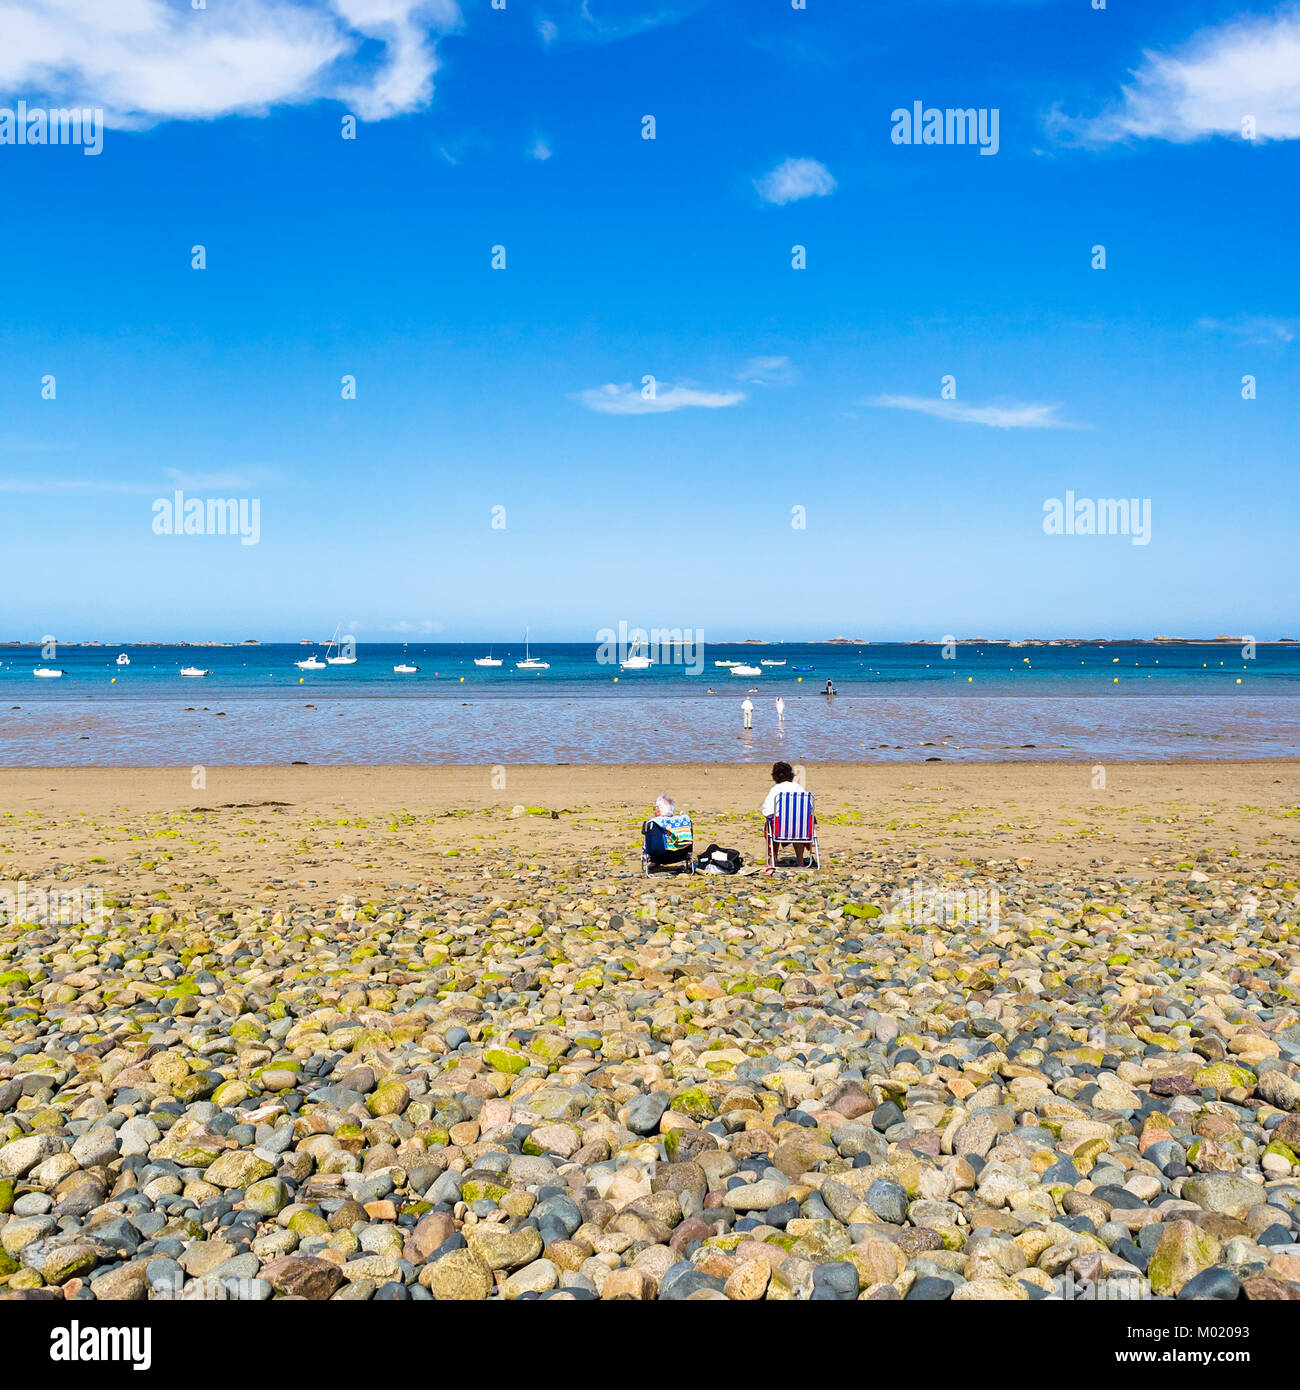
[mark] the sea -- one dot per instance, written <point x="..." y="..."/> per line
<point x="969" y="702"/>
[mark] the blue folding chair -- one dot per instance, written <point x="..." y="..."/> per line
<point x="667" y="842"/>
<point x="792" y="822"/>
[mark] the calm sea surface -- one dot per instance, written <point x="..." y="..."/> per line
<point x="892" y="702"/>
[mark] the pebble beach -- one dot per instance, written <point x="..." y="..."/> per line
<point x="397" y="1034"/>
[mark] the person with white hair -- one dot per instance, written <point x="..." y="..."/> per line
<point x="667" y="838"/>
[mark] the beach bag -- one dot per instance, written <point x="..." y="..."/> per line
<point x="716" y="860"/>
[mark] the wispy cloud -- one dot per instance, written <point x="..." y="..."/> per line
<point x="1001" y="417"/>
<point x="1249" y="67"/>
<point x="27" y="485"/>
<point x="540" y="149"/>
<point x="795" y="179"/>
<point x="145" y="61"/>
<point x="588" y="21"/>
<point x="768" y="371"/>
<point x="629" y="400"/>
<point x="1263" y="332"/>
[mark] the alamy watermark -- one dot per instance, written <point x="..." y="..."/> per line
<point x="952" y="125"/>
<point x="38" y="125"/>
<point x="1099" y="516"/>
<point x="61" y="907"/>
<point x="179" y="515"/>
<point x="637" y="649"/>
<point x="927" y="905"/>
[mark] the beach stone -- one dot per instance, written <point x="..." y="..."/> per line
<point x="537" y="1277"/>
<point x="20" y="1156"/>
<point x="237" y="1168"/>
<point x="303" y="1277"/>
<point x="1224" y="1193"/>
<point x="460" y="1276"/>
<point x="1182" y="1253"/>
<point x="499" y="1248"/>
<point x="645" y="1112"/>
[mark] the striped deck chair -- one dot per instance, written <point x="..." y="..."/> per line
<point x="793" y="822"/>
<point x="667" y="842"/>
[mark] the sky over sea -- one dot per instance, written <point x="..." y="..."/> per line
<point x="411" y="276"/>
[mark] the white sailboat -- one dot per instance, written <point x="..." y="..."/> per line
<point x="342" y="659"/>
<point x="48" y="673"/>
<point x="636" y="660"/>
<point x="488" y="660"/>
<point x="529" y="663"/>
<point x="123" y="659"/>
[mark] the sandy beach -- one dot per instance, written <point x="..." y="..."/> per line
<point x="401" y="1033"/>
<point x="1048" y="813"/>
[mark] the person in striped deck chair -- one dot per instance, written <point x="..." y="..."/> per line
<point x="783" y="780"/>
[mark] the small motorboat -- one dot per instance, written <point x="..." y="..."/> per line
<point x="771" y="663"/>
<point x="123" y="659"/>
<point x="724" y="663"/>
<point x="195" y="671"/>
<point x="48" y="673"/>
<point x="313" y="663"/>
<point x="745" y="671"/>
<point x="405" y="670"/>
<point x="803" y="668"/>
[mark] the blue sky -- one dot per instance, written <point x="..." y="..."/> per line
<point x="777" y="388"/>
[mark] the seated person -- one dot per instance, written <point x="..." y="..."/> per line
<point x="783" y="779"/>
<point x="667" y="837"/>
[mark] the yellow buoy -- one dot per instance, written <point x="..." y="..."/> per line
<point x="800" y="680"/>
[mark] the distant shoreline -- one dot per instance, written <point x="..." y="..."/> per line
<point x="1220" y="640"/>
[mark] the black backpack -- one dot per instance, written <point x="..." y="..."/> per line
<point x="716" y="860"/>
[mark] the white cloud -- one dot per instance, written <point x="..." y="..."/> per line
<point x="540" y="149"/>
<point x="795" y="179"/>
<point x="1249" y="67"/>
<point x="1002" y="417"/>
<point x="628" y="400"/>
<point x="145" y="61"/>
<point x="768" y="371"/>
<point x="1263" y="332"/>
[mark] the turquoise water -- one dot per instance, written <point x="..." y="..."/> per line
<point x="893" y="703"/>
<point x="446" y="670"/>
